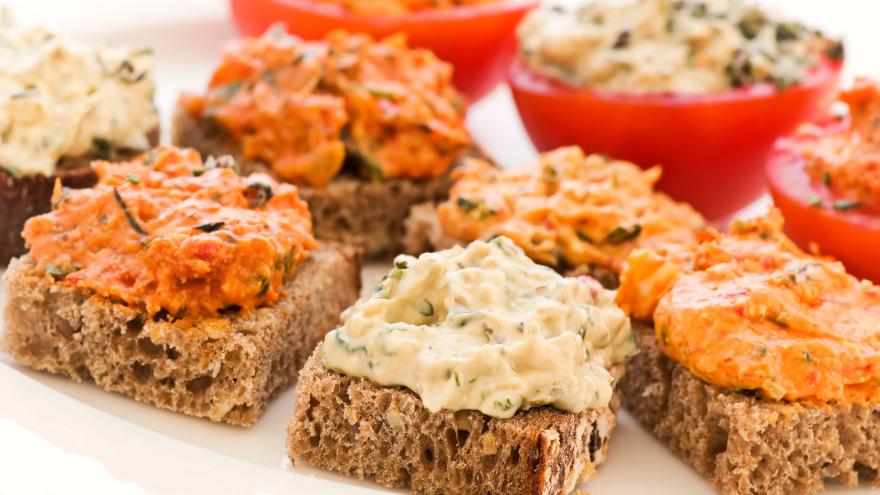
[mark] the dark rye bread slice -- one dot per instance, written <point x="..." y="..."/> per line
<point x="349" y="210"/>
<point x="225" y="374"/>
<point x="742" y="443"/>
<point x="423" y="233"/>
<point x="352" y="426"/>
<point x="24" y="196"/>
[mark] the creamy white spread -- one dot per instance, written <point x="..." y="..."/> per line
<point x="485" y="328"/>
<point x="680" y="46"/>
<point x="64" y="98"/>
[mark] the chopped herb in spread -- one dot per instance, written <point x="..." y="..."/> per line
<point x="469" y="333"/>
<point x="681" y="46"/>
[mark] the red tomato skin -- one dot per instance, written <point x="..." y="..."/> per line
<point x="479" y="41"/>
<point x="853" y="237"/>
<point x="713" y="148"/>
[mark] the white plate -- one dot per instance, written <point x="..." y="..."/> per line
<point x="57" y="436"/>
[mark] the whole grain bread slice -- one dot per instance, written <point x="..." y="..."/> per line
<point x="745" y="444"/>
<point x="351" y="210"/>
<point x="27" y="195"/>
<point x="225" y="369"/>
<point x="355" y="427"/>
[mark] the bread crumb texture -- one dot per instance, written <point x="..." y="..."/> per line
<point x="354" y="427"/>
<point x="222" y="370"/>
<point x="745" y="444"/>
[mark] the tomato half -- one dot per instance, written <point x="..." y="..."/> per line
<point x="851" y="236"/>
<point x="479" y="41"/>
<point x="712" y="147"/>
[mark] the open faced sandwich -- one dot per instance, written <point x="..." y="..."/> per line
<point x="178" y="283"/>
<point x="574" y="212"/>
<point x="759" y="363"/>
<point x="64" y="103"/>
<point x="469" y="370"/>
<point x="366" y="128"/>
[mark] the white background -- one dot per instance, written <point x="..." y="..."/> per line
<point x="60" y="437"/>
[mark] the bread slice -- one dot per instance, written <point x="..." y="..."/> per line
<point x="355" y="427"/>
<point x="745" y="444"/>
<point x="24" y="196"/>
<point x="423" y="233"/>
<point x="222" y="372"/>
<point x="349" y="210"/>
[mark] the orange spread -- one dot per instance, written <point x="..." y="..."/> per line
<point x="847" y="157"/>
<point x="367" y="7"/>
<point x="302" y="106"/>
<point x="751" y="311"/>
<point x="168" y="232"/>
<point x="567" y="209"/>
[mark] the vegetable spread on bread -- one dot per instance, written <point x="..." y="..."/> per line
<point x="167" y="231"/>
<point x="60" y="98"/>
<point x="748" y="310"/>
<point x="680" y="46"/>
<point x="304" y="107"/>
<point x="483" y="327"/>
<point x="367" y="7"/>
<point x="567" y="209"/>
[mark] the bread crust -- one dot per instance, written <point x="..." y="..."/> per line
<point x="24" y="196"/>
<point x="745" y="444"/>
<point x="349" y="210"/>
<point x="226" y="369"/>
<point x="352" y="426"/>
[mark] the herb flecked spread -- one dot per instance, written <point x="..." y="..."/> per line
<point x="368" y="7"/>
<point x="485" y="328"/>
<point x="567" y="209"/>
<point x="749" y="311"/>
<point x="845" y="157"/>
<point x="303" y="106"/>
<point x="60" y="98"/>
<point x="680" y="46"/>
<point x="168" y="232"/>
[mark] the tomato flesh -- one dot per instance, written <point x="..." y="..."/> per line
<point x="853" y="236"/>
<point x="712" y="147"/>
<point x="479" y="41"/>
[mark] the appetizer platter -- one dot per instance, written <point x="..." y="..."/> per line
<point x="297" y="248"/>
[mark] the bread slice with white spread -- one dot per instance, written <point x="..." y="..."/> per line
<point x="63" y="104"/>
<point x="470" y="370"/>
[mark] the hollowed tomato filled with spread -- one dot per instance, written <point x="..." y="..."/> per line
<point x="304" y="108"/>
<point x="568" y="209"/>
<point x="826" y="180"/>
<point x="169" y="232"/>
<point x="749" y="310"/>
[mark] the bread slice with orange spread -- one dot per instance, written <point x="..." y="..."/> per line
<point x="759" y="364"/>
<point x="179" y="283"/>
<point x="579" y="214"/>
<point x="366" y="128"/>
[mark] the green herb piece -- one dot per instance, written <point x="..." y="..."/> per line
<point x="56" y="271"/>
<point x="466" y="205"/>
<point x="264" y="285"/>
<point x="380" y="93"/>
<point x="621" y="234"/>
<point x="427" y="308"/>
<point x="402" y="264"/>
<point x="815" y="201"/>
<point x="457" y="378"/>
<point x="826" y="178"/>
<point x="504" y="406"/>
<point x="102" y="148"/>
<point x="211" y="227"/>
<point x="128" y="215"/>
<point x="846" y="204"/>
<point x="584" y="237"/>
<point x="232" y="89"/>
<point x="133" y="179"/>
<point x="197" y="172"/>
<point x="835" y="51"/>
